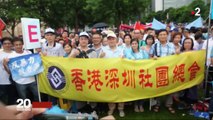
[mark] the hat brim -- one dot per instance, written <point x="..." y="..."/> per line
<point x="49" y="32"/>
<point x="111" y="36"/>
<point x="84" y="36"/>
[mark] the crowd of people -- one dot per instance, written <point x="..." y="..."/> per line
<point x="134" y="45"/>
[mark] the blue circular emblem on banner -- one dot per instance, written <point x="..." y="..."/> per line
<point x="56" y="78"/>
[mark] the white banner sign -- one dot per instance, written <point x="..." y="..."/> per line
<point x="31" y="33"/>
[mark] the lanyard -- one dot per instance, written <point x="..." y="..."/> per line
<point x="167" y="50"/>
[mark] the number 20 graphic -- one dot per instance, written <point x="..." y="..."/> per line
<point x="23" y="105"/>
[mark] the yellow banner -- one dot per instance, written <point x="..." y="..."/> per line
<point x="120" y="80"/>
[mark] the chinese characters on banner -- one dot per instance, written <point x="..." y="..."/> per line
<point x="129" y="78"/>
<point x="117" y="80"/>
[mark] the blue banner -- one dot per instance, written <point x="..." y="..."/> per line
<point x="25" y="66"/>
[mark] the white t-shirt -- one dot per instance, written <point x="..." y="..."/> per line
<point x="4" y="77"/>
<point x="209" y="49"/>
<point x="22" y="80"/>
<point x="55" y="50"/>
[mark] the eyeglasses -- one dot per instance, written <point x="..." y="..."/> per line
<point x="7" y="43"/>
<point x="96" y="38"/>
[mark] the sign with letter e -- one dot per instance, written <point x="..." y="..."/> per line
<point x="31" y="33"/>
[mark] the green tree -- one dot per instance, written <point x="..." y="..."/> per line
<point x="12" y="10"/>
<point x="182" y="14"/>
<point x="115" y="11"/>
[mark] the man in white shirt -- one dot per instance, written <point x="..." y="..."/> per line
<point x="210" y="46"/>
<point x="84" y="52"/>
<point x="112" y="51"/>
<point x="6" y="87"/>
<point x="51" y="48"/>
<point x="27" y="83"/>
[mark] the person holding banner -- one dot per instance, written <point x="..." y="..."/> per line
<point x="64" y="103"/>
<point x="136" y="53"/>
<point x="161" y="49"/>
<point x="97" y="40"/>
<point x="190" y="96"/>
<point x="126" y="46"/>
<point x="67" y="48"/>
<point x="51" y="48"/>
<point x="6" y="86"/>
<point x="27" y="83"/>
<point x="83" y="51"/>
<point x="176" y="41"/>
<point x="150" y="40"/>
<point x="112" y="51"/>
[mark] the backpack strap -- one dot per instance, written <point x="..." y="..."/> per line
<point x="89" y="51"/>
<point x="84" y="54"/>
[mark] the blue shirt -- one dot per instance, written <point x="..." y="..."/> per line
<point x="162" y="51"/>
<point x="136" y="56"/>
<point x="125" y="48"/>
<point x="66" y="55"/>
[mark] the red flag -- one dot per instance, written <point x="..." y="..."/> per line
<point x="2" y="26"/>
<point x="137" y="25"/>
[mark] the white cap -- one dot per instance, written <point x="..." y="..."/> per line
<point x="111" y="35"/>
<point x="49" y="30"/>
<point x="84" y="34"/>
<point x="106" y="32"/>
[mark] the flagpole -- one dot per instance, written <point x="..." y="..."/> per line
<point x="207" y="47"/>
<point x="39" y="95"/>
<point x="8" y="32"/>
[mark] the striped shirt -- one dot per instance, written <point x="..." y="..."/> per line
<point x="160" y="51"/>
